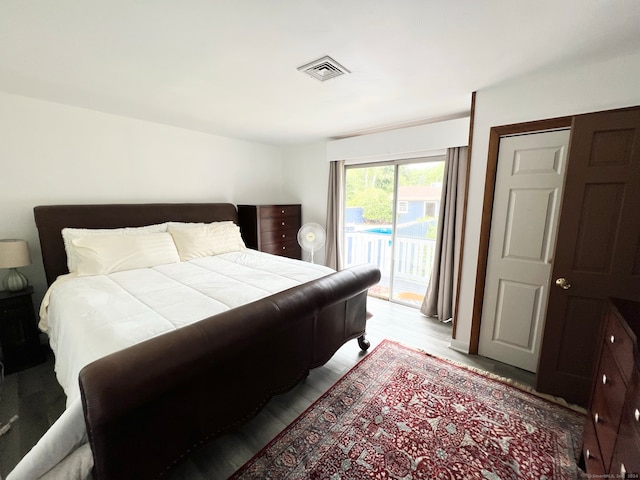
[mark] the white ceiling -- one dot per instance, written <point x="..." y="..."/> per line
<point x="229" y="67"/>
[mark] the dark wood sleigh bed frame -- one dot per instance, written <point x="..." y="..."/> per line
<point x="148" y="406"/>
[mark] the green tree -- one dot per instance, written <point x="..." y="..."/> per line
<point x="376" y="204"/>
<point x="364" y="178"/>
<point x="372" y="187"/>
<point x="424" y="174"/>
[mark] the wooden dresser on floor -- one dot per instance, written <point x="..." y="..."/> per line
<point x="611" y="442"/>
<point x="271" y="228"/>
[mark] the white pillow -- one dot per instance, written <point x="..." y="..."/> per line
<point x="68" y="234"/>
<point x="203" y="240"/>
<point x="99" y="255"/>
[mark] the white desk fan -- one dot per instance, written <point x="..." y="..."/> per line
<point x="311" y="237"/>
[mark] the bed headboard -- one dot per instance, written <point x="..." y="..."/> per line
<point x="51" y="219"/>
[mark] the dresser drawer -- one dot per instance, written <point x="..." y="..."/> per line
<point x="270" y="224"/>
<point x="608" y="400"/>
<point x="631" y="410"/>
<point x="621" y="345"/>
<point x="591" y="450"/>
<point x="626" y="460"/>
<point x="286" y="249"/>
<point x="278" y="236"/>
<point x="278" y="211"/>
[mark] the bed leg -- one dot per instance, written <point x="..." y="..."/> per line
<point x="363" y="343"/>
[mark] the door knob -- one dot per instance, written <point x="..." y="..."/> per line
<point x="562" y="283"/>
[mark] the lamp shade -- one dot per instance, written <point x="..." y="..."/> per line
<point x="14" y="253"/>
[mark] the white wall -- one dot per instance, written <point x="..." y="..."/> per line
<point x="306" y="178"/>
<point x="607" y="85"/>
<point x="53" y="154"/>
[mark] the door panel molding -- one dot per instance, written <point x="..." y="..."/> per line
<point x="536" y="227"/>
<point x="596" y="222"/>
<point x="528" y="294"/>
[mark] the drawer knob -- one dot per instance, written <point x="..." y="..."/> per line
<point x="284" y="236"/>
<point x="588" y="454"/>
<point x="636" y="415"/>
<point x="613" y="339"/>
<point x="604" y="379"/>
<point x="284" y="248"/>
<point x="282" y="223"/>
<point x="596" y="417"/>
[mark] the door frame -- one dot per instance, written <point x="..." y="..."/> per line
<point x="487" y="209"/>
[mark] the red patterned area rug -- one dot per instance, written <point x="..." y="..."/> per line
<point x="401" y="414"/>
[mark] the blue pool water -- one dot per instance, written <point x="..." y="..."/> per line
<point x="380" y="230"/>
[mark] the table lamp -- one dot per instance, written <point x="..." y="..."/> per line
<point x="14" y="254"/>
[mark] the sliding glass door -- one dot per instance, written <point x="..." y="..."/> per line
<point x="390" y="221"/>
<point x="368" y="220"/>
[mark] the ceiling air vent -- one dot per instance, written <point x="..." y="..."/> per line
<point x="323" y="69"/>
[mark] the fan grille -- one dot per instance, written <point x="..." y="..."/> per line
<point x="311" y="235"/>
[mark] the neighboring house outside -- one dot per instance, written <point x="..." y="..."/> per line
<point x="353" y="216"/>
<point x="418" y="209"/>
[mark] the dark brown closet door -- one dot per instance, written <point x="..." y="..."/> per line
<point x="598" y="248"/>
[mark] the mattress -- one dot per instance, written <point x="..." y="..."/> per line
<point x="88" y="317"/>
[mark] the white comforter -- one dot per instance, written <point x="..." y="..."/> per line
<point x="90" y="317"/>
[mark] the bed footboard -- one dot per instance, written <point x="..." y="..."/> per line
<point x="148" y="406"/>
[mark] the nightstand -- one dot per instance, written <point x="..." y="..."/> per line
<point x="19" y="336"/>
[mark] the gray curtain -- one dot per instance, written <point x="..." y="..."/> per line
<point x="441" y="291"/>
<point x="335" y="207"/>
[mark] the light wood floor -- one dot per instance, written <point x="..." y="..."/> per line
<point x="35" y="396"/>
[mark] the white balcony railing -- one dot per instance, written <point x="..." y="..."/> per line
<point x="414" y="256"/>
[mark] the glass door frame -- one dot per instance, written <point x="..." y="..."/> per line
<point x="435" y="157"/>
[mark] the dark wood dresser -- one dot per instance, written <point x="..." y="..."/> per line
<point x="611" y="441"/>
<point x="271" y="228"/>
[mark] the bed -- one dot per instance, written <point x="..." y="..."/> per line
<point x="158" y="359"/>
